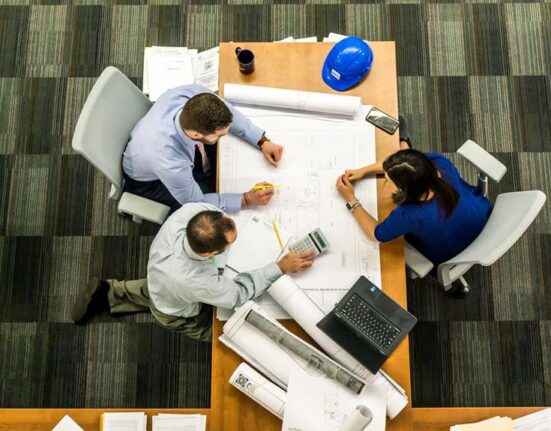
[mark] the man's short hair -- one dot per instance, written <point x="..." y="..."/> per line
<point x="207" y="231"/>
<point x="205" y="113"/>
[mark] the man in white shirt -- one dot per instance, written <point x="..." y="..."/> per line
<point x="184" y="276"/>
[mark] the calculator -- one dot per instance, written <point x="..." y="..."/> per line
<point x="315" y="241"/>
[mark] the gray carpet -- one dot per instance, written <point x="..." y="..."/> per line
<point x="474" y="69"/>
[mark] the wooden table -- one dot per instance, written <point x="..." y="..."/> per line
<point x="297" y="66"/>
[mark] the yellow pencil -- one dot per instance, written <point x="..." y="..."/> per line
<point x="277" y="234"/>
<point x="266" y="186"/>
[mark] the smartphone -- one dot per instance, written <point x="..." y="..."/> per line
<point x="383" y="121"/>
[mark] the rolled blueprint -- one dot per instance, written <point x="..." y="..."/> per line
<point x="357" y="420"/>
<point x="306" y="313"/>
<point x="314" y="357"/>
<point x="272" y="359"/>
<point x="293" y="99"/>
<point x="257" y="387"/>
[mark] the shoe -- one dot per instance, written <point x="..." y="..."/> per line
<point x="90" y="300"/>
<point x="459" y="290"/>
<point x="404" y="131"/>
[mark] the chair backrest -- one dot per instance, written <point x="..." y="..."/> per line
<point x="111" y="111"/>
<point x="512" y="215"/>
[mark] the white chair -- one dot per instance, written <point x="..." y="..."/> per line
<point x="111" y="111"/>
<point x="513" y="213"/>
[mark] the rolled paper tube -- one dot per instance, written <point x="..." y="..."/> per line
<point x="357" y="420"/>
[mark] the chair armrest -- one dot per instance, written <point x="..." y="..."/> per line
<point x="143" y="208"/>
<point x="416" y="262"/>
<point x="484" y="161"/>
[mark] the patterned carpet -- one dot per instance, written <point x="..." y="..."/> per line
<point x="476" y="69"/>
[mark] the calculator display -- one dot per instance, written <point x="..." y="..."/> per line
<point x="318" y="238"/>
<point x="315" y="241"/>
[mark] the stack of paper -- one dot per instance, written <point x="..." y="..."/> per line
<point x="135" y="421"/>
<point x="166" y="67"/>
<point x="494" y="424"/>
<point x="539" y="421"/>
<point x="67" y="424"/>
<point x="302" y="39"/>
<point x="336" y="37"/>
<point x="177" y="422"/>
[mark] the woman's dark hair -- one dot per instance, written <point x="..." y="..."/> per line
<point x="415" y="175"/>
<point x="207" y="231"/>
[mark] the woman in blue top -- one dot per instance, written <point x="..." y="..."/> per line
<point x="437" y="211"/>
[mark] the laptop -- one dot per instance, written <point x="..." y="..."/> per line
<point x="367" y="324"/>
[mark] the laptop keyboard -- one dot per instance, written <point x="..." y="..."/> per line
<point x="360" y="316"/>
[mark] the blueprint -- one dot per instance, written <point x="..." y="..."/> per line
<point x="317" y="149"/>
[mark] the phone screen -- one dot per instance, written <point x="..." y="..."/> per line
<point x="382" y="120"/>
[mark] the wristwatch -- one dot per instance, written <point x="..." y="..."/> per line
<point x="262" y="140"/>
<point x="351" y="206"/>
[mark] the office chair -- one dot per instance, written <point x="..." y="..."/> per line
<point x="111" y="111"/>
<point x="513" y="213"/>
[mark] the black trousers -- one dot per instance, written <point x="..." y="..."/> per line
<point x="156" y="190"/>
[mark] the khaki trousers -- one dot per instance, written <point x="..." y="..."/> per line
<point x="132" y="296"/>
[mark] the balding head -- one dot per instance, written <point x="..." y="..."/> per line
<point x="210" y="232"/>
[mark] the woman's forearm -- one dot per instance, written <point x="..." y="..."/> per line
<point x="366" y="222"/>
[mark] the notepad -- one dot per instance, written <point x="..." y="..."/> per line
<point x="124" y="421"/>
<point x="178" y="422"/>
<point x="256" y="245"/>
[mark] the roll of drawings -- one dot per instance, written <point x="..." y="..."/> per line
<point x="260" y="389"/>
<point x="293" y="99"/>
<point x="357" y="420"/>
<point x="314" y="357"/>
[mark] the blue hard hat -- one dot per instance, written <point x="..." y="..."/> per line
<point x="347" y="63"/>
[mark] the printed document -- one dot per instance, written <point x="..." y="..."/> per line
<point x="320" y="404"/>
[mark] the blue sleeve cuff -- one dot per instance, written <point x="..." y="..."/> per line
<point x="227" y="202"/>
<point x="272" y="272"/>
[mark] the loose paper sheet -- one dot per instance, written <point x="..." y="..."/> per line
<point x="539" y="421"/>
<point x="67" y="424"/>
<point x="319" y="404"/>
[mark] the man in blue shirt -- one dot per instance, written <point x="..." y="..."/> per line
<point x="171" y="155"/>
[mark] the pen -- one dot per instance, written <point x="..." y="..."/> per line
<point x="265" y="186"/>
<point x="277" y="234"/>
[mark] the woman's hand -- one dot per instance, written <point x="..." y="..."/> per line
<point x="345" y="188"/>
<point x="354" y="174"/>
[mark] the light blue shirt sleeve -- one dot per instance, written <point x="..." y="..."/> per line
<point x="225" y="292"/>
<point x="243" y="127"/>
<point x="180" y="183"/>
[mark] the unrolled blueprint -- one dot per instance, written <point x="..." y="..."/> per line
<point x="317" y="149"/>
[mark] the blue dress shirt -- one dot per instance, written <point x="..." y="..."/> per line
<point x="425" y="226"/>
<point x="159" y="150"/>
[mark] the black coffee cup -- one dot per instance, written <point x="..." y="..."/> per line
<point x="245" y="58"/>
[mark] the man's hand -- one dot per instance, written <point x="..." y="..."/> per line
<point x="345" y="188"/>
<point x="295" y="262"/>
<point x="259" y="197"/>
<point x="272" y="152"/>
<point x="354" y="174"/>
